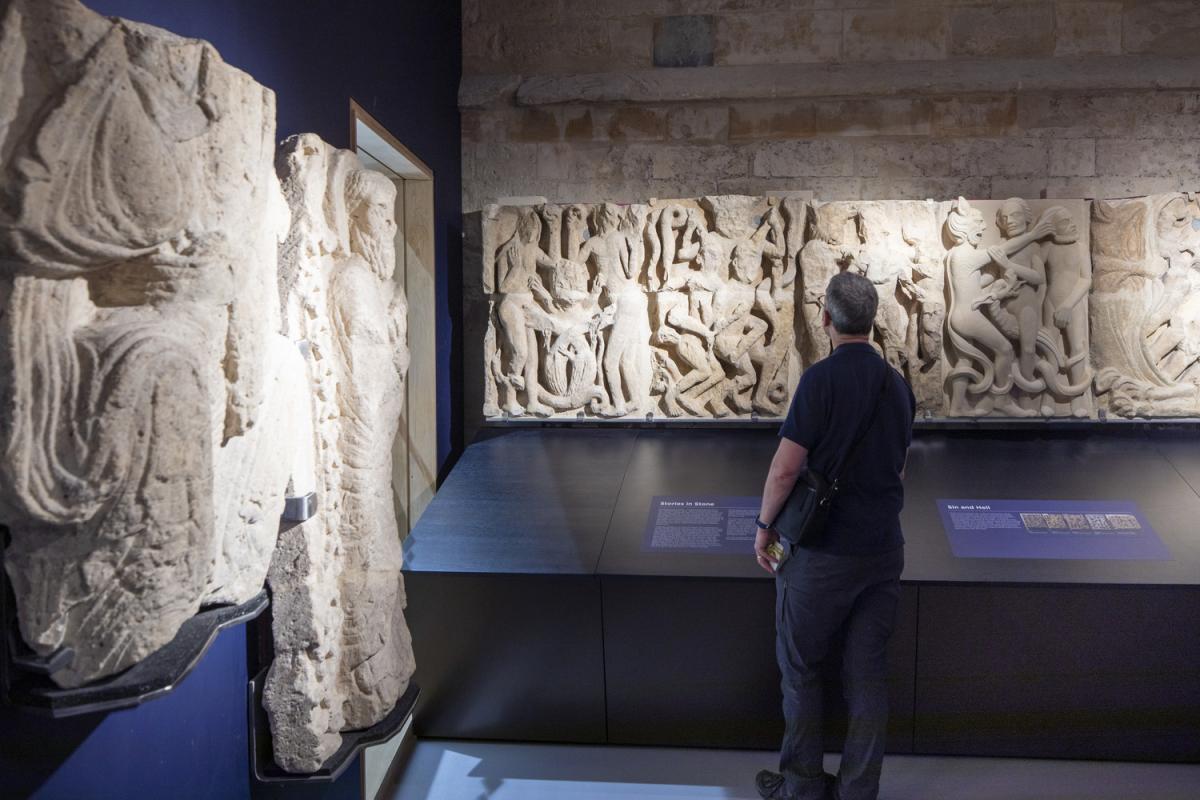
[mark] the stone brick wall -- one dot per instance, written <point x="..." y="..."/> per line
<point x="582" y="100"/>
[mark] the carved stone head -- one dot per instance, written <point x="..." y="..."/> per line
<point x="1013" y="217"/>
<point x="529" y="227"/>
<point x="965" y="224"/>
<point x="371" y="204"/>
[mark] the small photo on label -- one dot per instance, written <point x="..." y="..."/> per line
<point x="1037" y="521"/>
<point x="1124" y="522"/>
<point x="1098" y="522"/>
<point x="1056" y="522"/>
<point x="1077" y="522"/>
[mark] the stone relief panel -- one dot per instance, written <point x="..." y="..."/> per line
<point x="673" y="308"/>
<point x="1145" y="319"/>
<point x="897" y="245"/>
<point x="343" y="653"/>
<point x="711" y="307"/>
<point x="144" y="382"/>
<point x="1018" y="274"/>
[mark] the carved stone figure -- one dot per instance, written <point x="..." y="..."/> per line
<point x="998" y="299"/>
<point x="343" y="653"/>
<point x="1145" y="305"/>
<point x="926" y="302"/>
<point x="143" y="380"/>
<point x="829" y="250"/>
<point x="618" y="265"/>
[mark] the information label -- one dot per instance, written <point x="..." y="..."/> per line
<point x="1083" y="529"/>
<point x="717" y="525"/>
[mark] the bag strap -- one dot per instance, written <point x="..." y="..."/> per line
<point x="854" y="448"/>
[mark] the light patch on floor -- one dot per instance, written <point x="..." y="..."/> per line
<point x="448" y="770"/>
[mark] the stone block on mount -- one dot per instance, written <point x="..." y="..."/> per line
<point x="343" y="653"/>
<point x="144" y="384"/>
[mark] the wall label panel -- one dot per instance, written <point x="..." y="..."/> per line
<point x="702" y="524"/>
<point x="1072" y="529"/>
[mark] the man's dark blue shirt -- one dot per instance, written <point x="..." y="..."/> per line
<point x="831" y="405"/>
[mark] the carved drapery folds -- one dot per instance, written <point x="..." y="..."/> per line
<point x="343" y="654"/>
<point x="155" y="402"/>
<point x="711" y="308"/>
<point x="141" y="370"/>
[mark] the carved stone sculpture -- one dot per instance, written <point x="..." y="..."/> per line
<point x="343" y="653"/>
<point x="830" y="247"/>
<point x="142" y="376"/>
<point x="676" y="308"/>
<point x="1016" y="324"/>
<point x="896" y="245"/>
<point x="711" y="307"/>
<point x="1145" y="305"/>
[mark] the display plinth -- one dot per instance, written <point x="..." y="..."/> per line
<point x="577" y="632"/>
<point x="263" y="766"/>
<point x="152" y="677"/>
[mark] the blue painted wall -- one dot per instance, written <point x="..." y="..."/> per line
<point x="401" y="60"/>
<point x="189" y="744"/>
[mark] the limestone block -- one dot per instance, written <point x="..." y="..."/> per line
<point x="994" y="115"/>
<point x="698" y="123"/>
<point x="781" y="37"/>
<point x="631" y="43"/>
<point x="820" y="158"/>
<point x="901" y="34"/>
<point x="1161" y="27"/>
<point x="1007" y="29"/>
<point x="1014" y="158"/>
<point x="143" y="379"/>
<point x="1087" y="29"/>
<point x="884" y="117"/>
<point x="1145" y="323"/>
<point x="343" y="651"/>
<point x="772" y="120"/>
<point x="904" y="159"/>
<point x="1166" y="158"/>
<point x="675" y="308"/>
<point x="1017" y="276"/>
<point x="1070" y="157"/>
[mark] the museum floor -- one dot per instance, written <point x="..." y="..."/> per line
<point x="449" y="770"/>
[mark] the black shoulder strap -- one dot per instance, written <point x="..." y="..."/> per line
<point x="854" y="448"/>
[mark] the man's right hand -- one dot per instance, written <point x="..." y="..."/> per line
<point x="762" y="540"/>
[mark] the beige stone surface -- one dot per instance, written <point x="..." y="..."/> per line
<point x="1146" y="305"/>
<point x="673" y="308"/>
<point x="1018" y="274"/>
<point x="898" y="247"/>
<point x="143" y="382"/>
<point x="343" y="651"/>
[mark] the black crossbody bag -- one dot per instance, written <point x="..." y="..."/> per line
<point x="801" y="521"/>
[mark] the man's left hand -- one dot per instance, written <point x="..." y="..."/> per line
<point x="762" y="540"/>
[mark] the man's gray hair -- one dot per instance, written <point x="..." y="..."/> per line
<point x="851" y="301"/>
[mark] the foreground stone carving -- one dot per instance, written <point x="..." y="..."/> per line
<point x="1146" y="305"/>
<point x="676" y="308"/>
<point x="343" y="654"/>
<point x="142" y="376"/>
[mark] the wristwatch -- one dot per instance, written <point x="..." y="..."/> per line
<point x="762" y="526"/>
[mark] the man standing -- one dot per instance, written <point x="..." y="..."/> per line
<point x="849" y="579"/>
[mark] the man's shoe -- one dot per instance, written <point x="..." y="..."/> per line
<point x="769" y="785"/>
